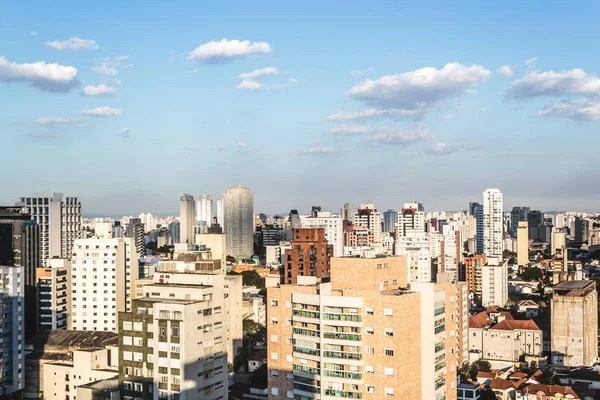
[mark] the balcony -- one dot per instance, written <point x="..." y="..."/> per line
<point x="342" y="355"/>
<point x="306" y="370"/>
<point x="306" y="313"/>
<point x="342" y="317"/>
<point x="343" y="393"/>
<point x="343" y="374"/>
<point x="306" y="332"/>
<point x="306" y="388"/>
<point x="304" y="350"/>
<point x="342" y="336"/>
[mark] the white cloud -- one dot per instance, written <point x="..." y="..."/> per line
<point x="248" y="84"/>
<point x="530" y="61"/>
<point x="448" y="117"/>
<point x="350" y="130"/>
<point x="33" y="33"/>
<point x="53" y="121"/>
<point x="220" y="147"/>
<point x="242" y="145"/>
<point x="294" y="80"/>
<point x="506" y="71"/>
<point x="416" y="113"/>
<point x="483" y="109"/>
<point x="551" y="83"/>
<point x="361" y="72"/>
<point x="101" y="89"/>
<point x="123" y="132"/>
<point x="103" y="112"/>
<point x="579" y="110"/>
<point x="226" y="50"/>
<point x="259" y="73"/>
<point x="442" y="148"/>
<point x="390" y="136"/>
<point x="423" y="86"/>
<point x="319" y="150"/>
<point x="73" y="43"/>
<point x="45" y="77"/>
<point x="110" y="65"/>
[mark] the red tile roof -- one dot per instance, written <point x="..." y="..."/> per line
<point x="511" y="325"/>
<point x="549" y="390"/>
<point x="483" y="319"/>
<point x="485" y="375"/>
<point x="501" y="384"/>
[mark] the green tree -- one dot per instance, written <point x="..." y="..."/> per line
<point x="259" y="376"/>
<point x="532" y="274"/>
<point x="479" y="365"/>
<point x="533" y="366"/>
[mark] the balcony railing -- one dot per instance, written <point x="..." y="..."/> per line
<point x="343" y="393"/>
<point x="306" y="388"/>
<point x="342" y="354"/>
<point x="304" y="350"/>
<point x="342" y="374"/>
<point x="306" y="313"/>
<point x="306" y="370"/>
<point x="342" y="317"/>
<point x="342" y="336"/>
<point x="306" y="332"/>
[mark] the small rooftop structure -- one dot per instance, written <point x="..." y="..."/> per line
<point x="574" y="288"/>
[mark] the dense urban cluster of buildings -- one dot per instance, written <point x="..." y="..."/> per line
<point x="221" y="302"/>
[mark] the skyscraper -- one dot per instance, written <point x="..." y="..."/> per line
<point x="12" y="345"/>
<point x="187" y="218"/>
<point x="390" y="218"/>
<point x="135" y="230"/>
<point x="20" y="247"/>
<point x="238" y="215"/>
<point x="309" y="255"/>
<point x="517" y="215"/>
<point x="204" y="209"/>
<point x="476" y="210"/>
<point x="493" y="226"/>
<point x="522" y="243"/>
<point x="413" y="242"/>
<point x="59" y="218"/>
<point x="535" y="220"/>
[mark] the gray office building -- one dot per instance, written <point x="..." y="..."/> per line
<point x="390" y="219"/>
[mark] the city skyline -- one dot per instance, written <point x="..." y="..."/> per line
<point x="423" y="111"/>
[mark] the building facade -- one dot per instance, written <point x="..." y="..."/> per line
<point x="12" y="378"/>
<point x="493" y="226"/>
<point x="473" y="267"/>
<point x="204" y="209"/>
<point x="238" y="222"/>
<point x="390" y="219"/>
<point x="522" y="243"/>
<point x="59" y="219"/>
<point x="333" y="226"/>
<point x="54" y="294"/>
<point x="309" y="255"/>
<point x="494" y="282"/>
<point x="103" y="276"/>
<point x="187" y="218"/>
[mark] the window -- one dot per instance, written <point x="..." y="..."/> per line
<point x="137" y="326"/>
<point x="388" y="312"/>
<point x="370" y="389"/>
<point x="370" y="369"/>
<point x="275" y="391"/>
<point x="274" y="303"/>
<point x="138" y="341"/>
<point x="274" y="321"/>
<point x="369" y="310"/>
<point x="127" y="325"/>
<point x="274" y="373"/>
<point x="370" y="350"/>
<point x="388" y="332"/>
<point x="274" y="356"/>
<point x="388" y="371"/>
<point x="274" y="338"/>
<point x="138" y="387"/>
<point x="370" y="330"/>
<point x="389" y="391"/>
<point x="290" y="394"/>
<point x="127" y="340"/>
<point x="127" y="356"/>
<point x="389" y="352"/>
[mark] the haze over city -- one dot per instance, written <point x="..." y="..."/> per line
<point x="127" y="105"/>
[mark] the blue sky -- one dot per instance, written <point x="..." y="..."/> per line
<point x="341" y="102"/>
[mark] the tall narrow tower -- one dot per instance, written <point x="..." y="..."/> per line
<point x="238" y="221"/>
<point x="187" y="218"/>
<point x="493" y="226"/>
<point x="522" y="243"/>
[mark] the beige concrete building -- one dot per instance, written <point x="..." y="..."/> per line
<point x="523" y="243"/>
<point x="62" y="378"/>
<point x="494" y="282"/>
<point x="558" y="241"/>
<point x="216" y="242"/>
<point x="574" y="323"/>
<point x="103" y="276"/>
<point x="366" y="338"/>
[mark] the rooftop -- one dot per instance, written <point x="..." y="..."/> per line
<point x="82" y="339"/>
<point x="105" y="385"/>
<point x="512" y="324"/>
<point x="573" y="285"/>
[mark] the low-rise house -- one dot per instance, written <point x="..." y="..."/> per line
<point x="546" y="392"/>
<point x="256" y="360"/>
<point x="529" y="307"/>
<point x="503" y="389"/>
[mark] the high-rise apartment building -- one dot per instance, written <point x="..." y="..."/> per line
<point x="574" y="324"/>
<point x="20" y="247"/>
<point x="148" y="221"/>
<point x="177" y="335"/>
<point x="413" y="242"/>
<point x="368" y="216"/>
<point x="494" y="282"/>
<point x="103" y="230"/>
<point x="493" y="226"/>
<point x="135" y="230"/>
<point x="175" y="229"/>
<point x="220" y="212"/>
<point x="473" y="267"/>
<point x="238" y="225"/>
<point x="518" y="214"/>
<point x="476" y="210"/>
<point x="333" y="225"/>
<point x="390" y="219"/>
<point x="535" y="220"/>
<point x="558" y="241"/>
<point x="522" y="243"/>
<point x="204" y="209"/>
<point x="451" y="256"/>
<point x="187" y="218"/>
<point x="12" y="346"/>
<point x="309" y="255"/>
<point x="368" y="337"/>
<point x="54" y="294"/>
<point x="59" y="218"/>
<point x="103" y="276"/>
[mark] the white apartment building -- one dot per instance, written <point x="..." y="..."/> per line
<point x="238" y="222"/>
<point x="216" y="242"/>
<point x="103" y="276"/>
<point x="494" y="282"/>
<point x="103" y="230"/>
<point x="59" y="218"/>
<point x="187" y="218"/>
<point x="12" y="346"/>
<point x="62" y="378"/>
<point x="411" y="218"/>
<point x="177" y="334"/>
<point x="452" y="244"/>
<point x="54" y="294"/>
<point x="413" y="242"/>
<point x="148" y="221"/>
<point x="558" y="241"/>
<point x="333" y="225"/>
<point x="275" y="252"/>
<point x="493" y="223"/>
<point x="368" y="217"/>
<point x="204" y="209"/>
